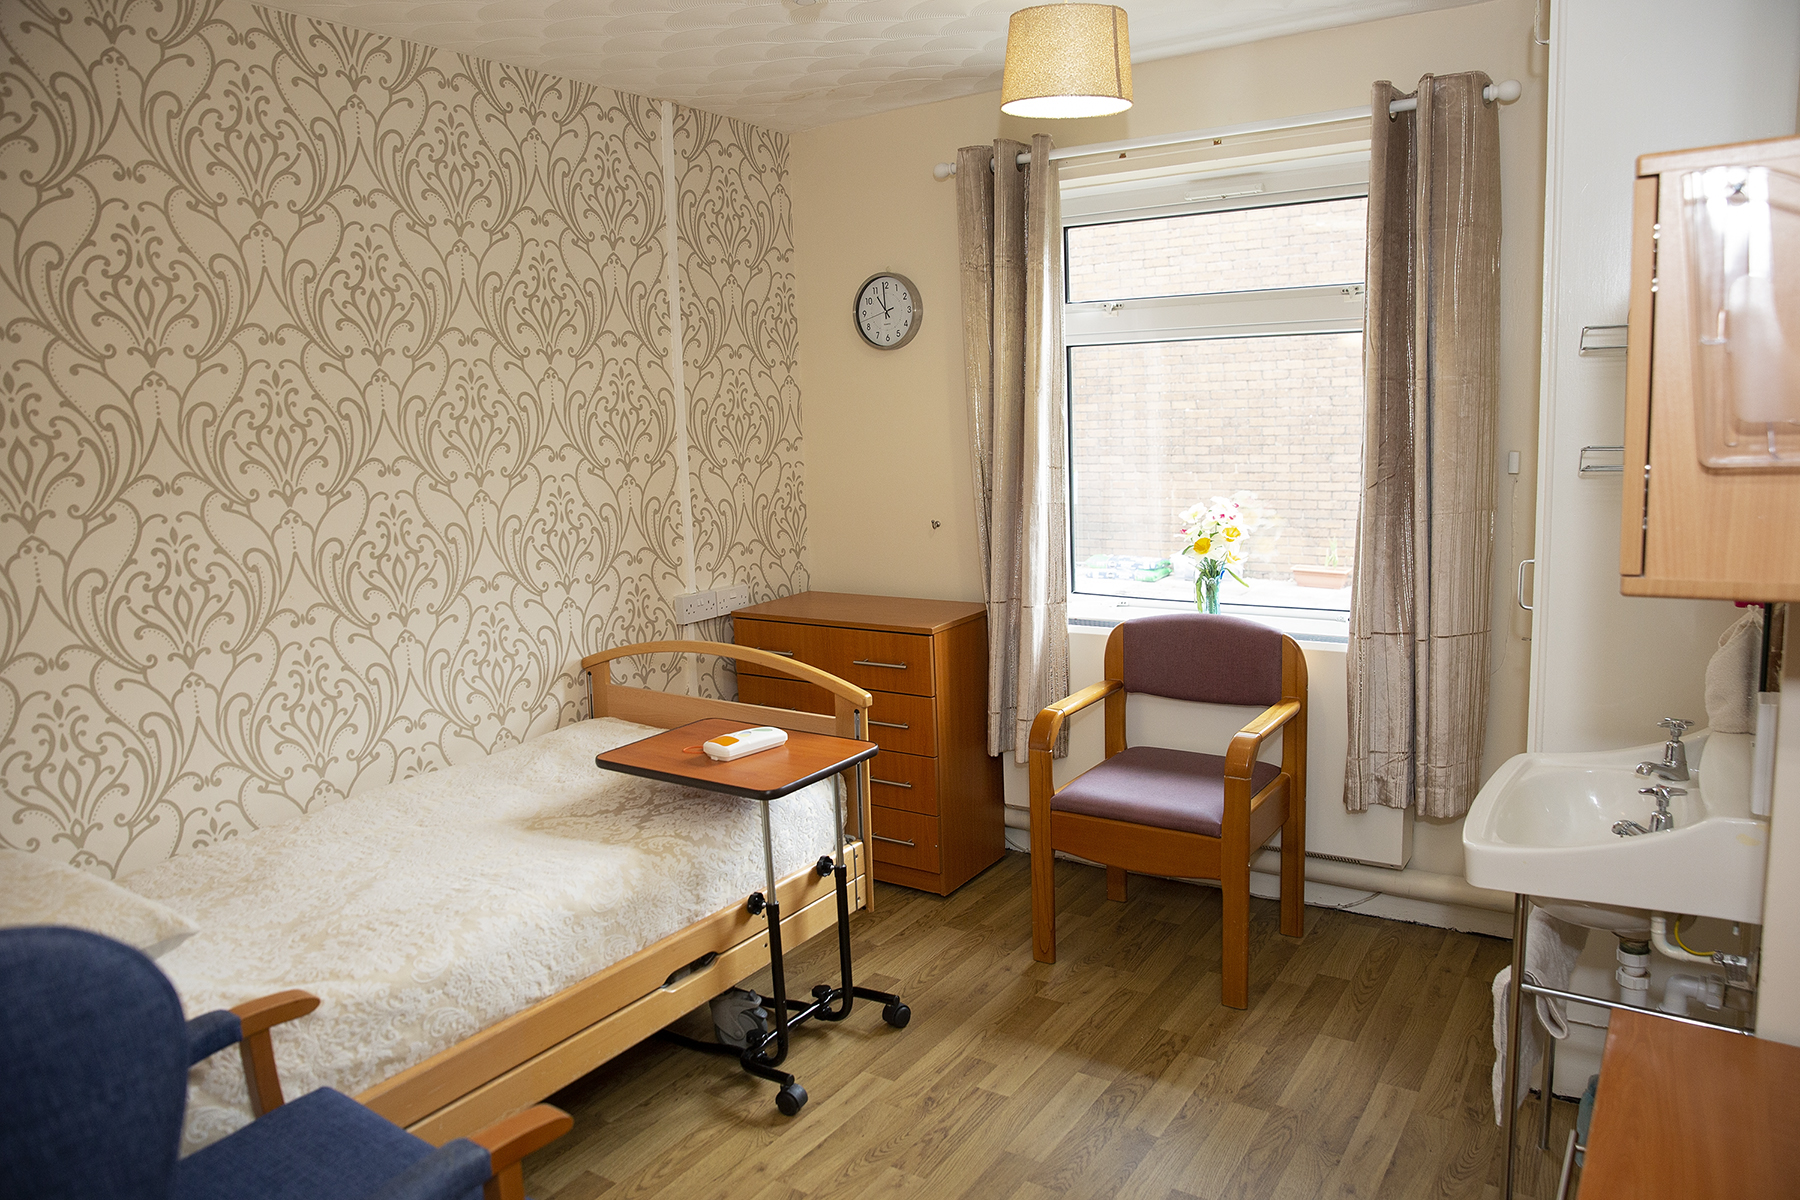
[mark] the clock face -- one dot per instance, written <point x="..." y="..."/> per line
<point x="888" y="311"/>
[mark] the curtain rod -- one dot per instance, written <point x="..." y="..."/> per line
<point x="1505" y="93"/>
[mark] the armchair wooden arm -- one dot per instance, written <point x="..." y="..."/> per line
<point x="257" y="1018"/>
<point x="1050" y="719"/>
<point x="1247" y="742"/>
<point x="508" y="1141"/>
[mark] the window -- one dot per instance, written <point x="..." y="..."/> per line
<point x="1215" y="348"/>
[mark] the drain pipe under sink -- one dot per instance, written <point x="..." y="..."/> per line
<point x="1659" y="937"/>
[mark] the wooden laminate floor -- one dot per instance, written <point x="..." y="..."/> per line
<point x="1360" y="1069"/>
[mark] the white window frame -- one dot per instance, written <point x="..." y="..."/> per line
<point x="1278" y="311"/>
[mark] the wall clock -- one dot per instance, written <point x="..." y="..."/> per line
<point x="888" y="310"/>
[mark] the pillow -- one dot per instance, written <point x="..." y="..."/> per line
<point x="34" y="890"/>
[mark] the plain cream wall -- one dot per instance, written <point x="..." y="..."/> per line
<point x="886" y="432"/>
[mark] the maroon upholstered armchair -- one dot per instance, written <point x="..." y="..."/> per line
<point x="1158" y="811"/>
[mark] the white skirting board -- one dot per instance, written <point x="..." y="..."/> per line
<point x="1441" y="901"/>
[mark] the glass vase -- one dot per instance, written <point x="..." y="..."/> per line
<point x="1206" y="593"/>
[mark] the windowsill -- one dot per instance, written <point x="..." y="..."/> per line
<point x="1308" y="627"/>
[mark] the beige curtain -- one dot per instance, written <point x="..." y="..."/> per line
<point x="1009" y="230"/>
<point x="1418" y="677"/>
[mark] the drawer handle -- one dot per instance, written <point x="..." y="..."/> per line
<point x="896" y="841"/>
<point x="890" y="724"/>
<point x="783" y="653"/>
<point x="869" y="662"/>
<point x="891" y="782"/>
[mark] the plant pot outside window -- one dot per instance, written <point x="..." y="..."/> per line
<point x="1322" y="577"/>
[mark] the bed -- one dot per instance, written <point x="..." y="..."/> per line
<point x="483" y="935"/>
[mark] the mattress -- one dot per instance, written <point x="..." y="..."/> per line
<point x="422" y="912"/>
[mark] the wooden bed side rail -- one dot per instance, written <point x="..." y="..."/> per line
<point x="426" y="1087"/>
<point x="842" y="689"/>
<point x="615" y="1032"/>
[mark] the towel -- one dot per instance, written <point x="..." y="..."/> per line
<point x="1731" y="676"/>
<point x="1551" y="948"/>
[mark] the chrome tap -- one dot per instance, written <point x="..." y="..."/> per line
<point x="1674" y="765"/>
<point x="1661" y="818"/>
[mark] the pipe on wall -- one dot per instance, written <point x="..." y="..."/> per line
<point x="1410" y="884"/>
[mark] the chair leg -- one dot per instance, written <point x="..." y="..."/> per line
<point x="1043" y="899"/>
<point x="1293" y="879"/>
<point x="1115" y="883"/>
<point x="1234" y="960"/>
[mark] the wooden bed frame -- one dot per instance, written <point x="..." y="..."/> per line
<point x="515" y="1063"/>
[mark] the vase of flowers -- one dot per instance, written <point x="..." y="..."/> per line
<point x="1212" y="538"/>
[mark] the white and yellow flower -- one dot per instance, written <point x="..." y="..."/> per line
<point x="1213" y="535"/>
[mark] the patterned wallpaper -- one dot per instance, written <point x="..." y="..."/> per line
<point x="740" y="335"/>
<point x="337" y="417"/>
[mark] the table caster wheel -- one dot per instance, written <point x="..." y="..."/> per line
<point x="790" y="1099"/>
<point x="897" y="1015"/>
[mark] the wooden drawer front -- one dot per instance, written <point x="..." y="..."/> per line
<point x="903" y="723"/>
<point x="889" y="711"/>
<point x="881" y="661"/>
<point x="803" y="642"/>
<point x="900" y="828"/>
<point x="784" y="693"/>
<point x="869" y="658"/>
<point x="904" y="781"/>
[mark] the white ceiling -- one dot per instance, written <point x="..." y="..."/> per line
<point x="787" y="66"/>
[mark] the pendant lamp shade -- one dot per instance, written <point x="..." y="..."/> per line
<point x="1067" y="60"/>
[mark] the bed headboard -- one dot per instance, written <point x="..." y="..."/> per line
<point x="666" y="709"/>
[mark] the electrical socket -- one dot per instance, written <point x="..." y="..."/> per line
<point x="693" y="607"/>
<point x="717" y="602"/>
<point x="732" y="597"/>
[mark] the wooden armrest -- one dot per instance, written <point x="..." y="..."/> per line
<point x="1240" y="759"/>
<point x="1049" y="721"/>
<point x="508" y="1141"/>
<point x="269" y="1011"/>
<point x="258" y="1017"/>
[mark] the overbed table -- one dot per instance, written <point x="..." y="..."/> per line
<point x="674" y="756"/>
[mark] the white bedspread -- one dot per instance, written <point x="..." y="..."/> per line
<point x="422" y="912"/>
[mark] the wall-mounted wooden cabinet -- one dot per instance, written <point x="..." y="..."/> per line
<point x="1688" y="529"/>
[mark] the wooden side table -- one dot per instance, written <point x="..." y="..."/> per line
<point x="1689" y="1112"/>
<point x="939" y="816"/>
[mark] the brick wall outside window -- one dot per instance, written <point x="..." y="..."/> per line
<point x="1283" y="245"/>
<point x="1156" y="427"/>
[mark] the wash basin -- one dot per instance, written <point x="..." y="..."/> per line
<point x="1543" y="825"/>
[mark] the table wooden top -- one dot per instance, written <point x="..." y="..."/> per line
<point x="898" y="614"/>
<point x="1684" y="1111"/>
<point x="674" y="756"/>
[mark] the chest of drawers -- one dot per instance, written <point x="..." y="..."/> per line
<point x="938" y="815"/>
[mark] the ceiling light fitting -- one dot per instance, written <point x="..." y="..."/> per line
<point x="1067" y="60"/>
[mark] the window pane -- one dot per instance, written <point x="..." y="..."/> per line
<point x="1158" y="426"/>
<point x="1245" y="249"/>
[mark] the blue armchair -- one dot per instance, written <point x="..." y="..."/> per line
<point x="96" y="1053"/>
